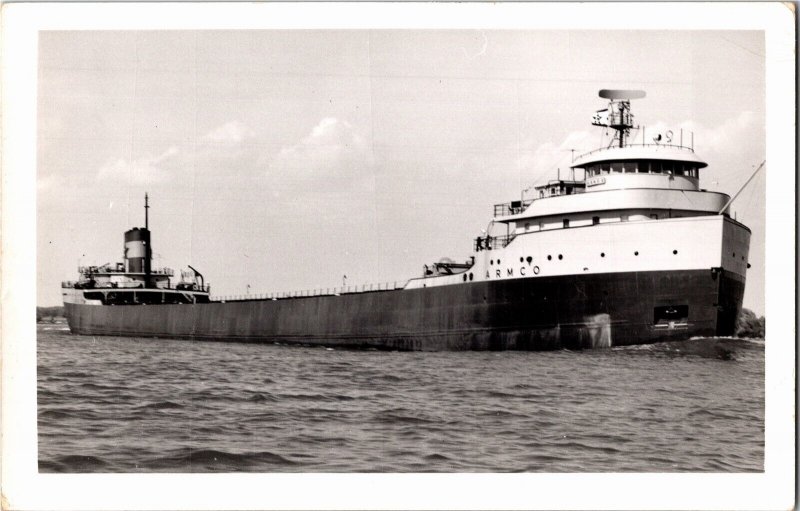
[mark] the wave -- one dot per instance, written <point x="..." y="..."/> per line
<point x="258" y="397"/>
<point x="543" y="396"/>
<point x="702" y="412"/>
<point x="317" y="397"/>
<point x="57" y="414"/>
<point x="437" y="457"/>
<point x="721" y="348"/>
<point x="389" y="378"/>
<point x="606" y="449"/>
<point x="160" y="405"/>
<point x="401" y="416"/>
<point x="74" y="374"/>
<point x="523" y="386"/>
<point x="203" y="459"/>
<point x="97" y="386"/>
<point x="78" y="463"/>
<point x="504" y="414"/>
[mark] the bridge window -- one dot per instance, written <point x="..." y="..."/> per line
<point x="616" y="166"/>
<point x="566" y="223"/>
<point x="605" y="168"/>
<point x="595" y="220"/>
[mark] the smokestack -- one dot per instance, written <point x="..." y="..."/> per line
<point x="137" y="244"/>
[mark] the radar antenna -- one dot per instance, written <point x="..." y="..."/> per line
<point x="618" y="115"/>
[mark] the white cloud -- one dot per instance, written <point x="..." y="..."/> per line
<point x="332" y="152"/>
<point x="230" y="133"/>
<point x="223" y="143"/>
<point x="143" y="170"/>
<point x="543" y="163"/>
<point x="727" y="137"/>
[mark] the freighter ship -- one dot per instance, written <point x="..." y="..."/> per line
<point x="634" y="252"/>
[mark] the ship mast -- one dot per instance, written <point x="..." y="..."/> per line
<point x="618" y="115"/>
<point x="148" y="251"/>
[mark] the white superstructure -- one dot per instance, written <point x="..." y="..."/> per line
<point x="639" y="207"/>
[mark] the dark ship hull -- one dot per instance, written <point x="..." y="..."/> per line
<point x="545" y="313"/>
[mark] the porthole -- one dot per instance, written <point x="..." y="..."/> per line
<point x="470" y="276"/>
<point x="734" y="254"/>
<point x="549" y="258"/>
<point x="636" y="253"/>
<point x="742" y="258"/>
<point x="560" y="257"/>
<point x="521" y="259"/>
<point x="498" y="261"/>
<point x="602" y="254"/>
<point x="529" y="259"/>
<point x="491" y="262"/>
<point x="465" y="277"/>
<point x="674" y="251"/>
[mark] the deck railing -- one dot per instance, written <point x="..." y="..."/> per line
<point x="328" y="291"/>
<point x="669" y="138"/>
<point x="493" y="242"/>
<point x="511" y="208"/>
<point x="86" y="270"/>
<point x="70" y="284"/>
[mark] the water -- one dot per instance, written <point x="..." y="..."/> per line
<point x="109" y="404"/>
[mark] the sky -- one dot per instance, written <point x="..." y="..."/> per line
<point x="285" y="159"/>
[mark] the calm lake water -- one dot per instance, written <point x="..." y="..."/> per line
<point x="108" y="404"/>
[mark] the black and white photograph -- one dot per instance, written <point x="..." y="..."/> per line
<point x="332" y="250"/>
